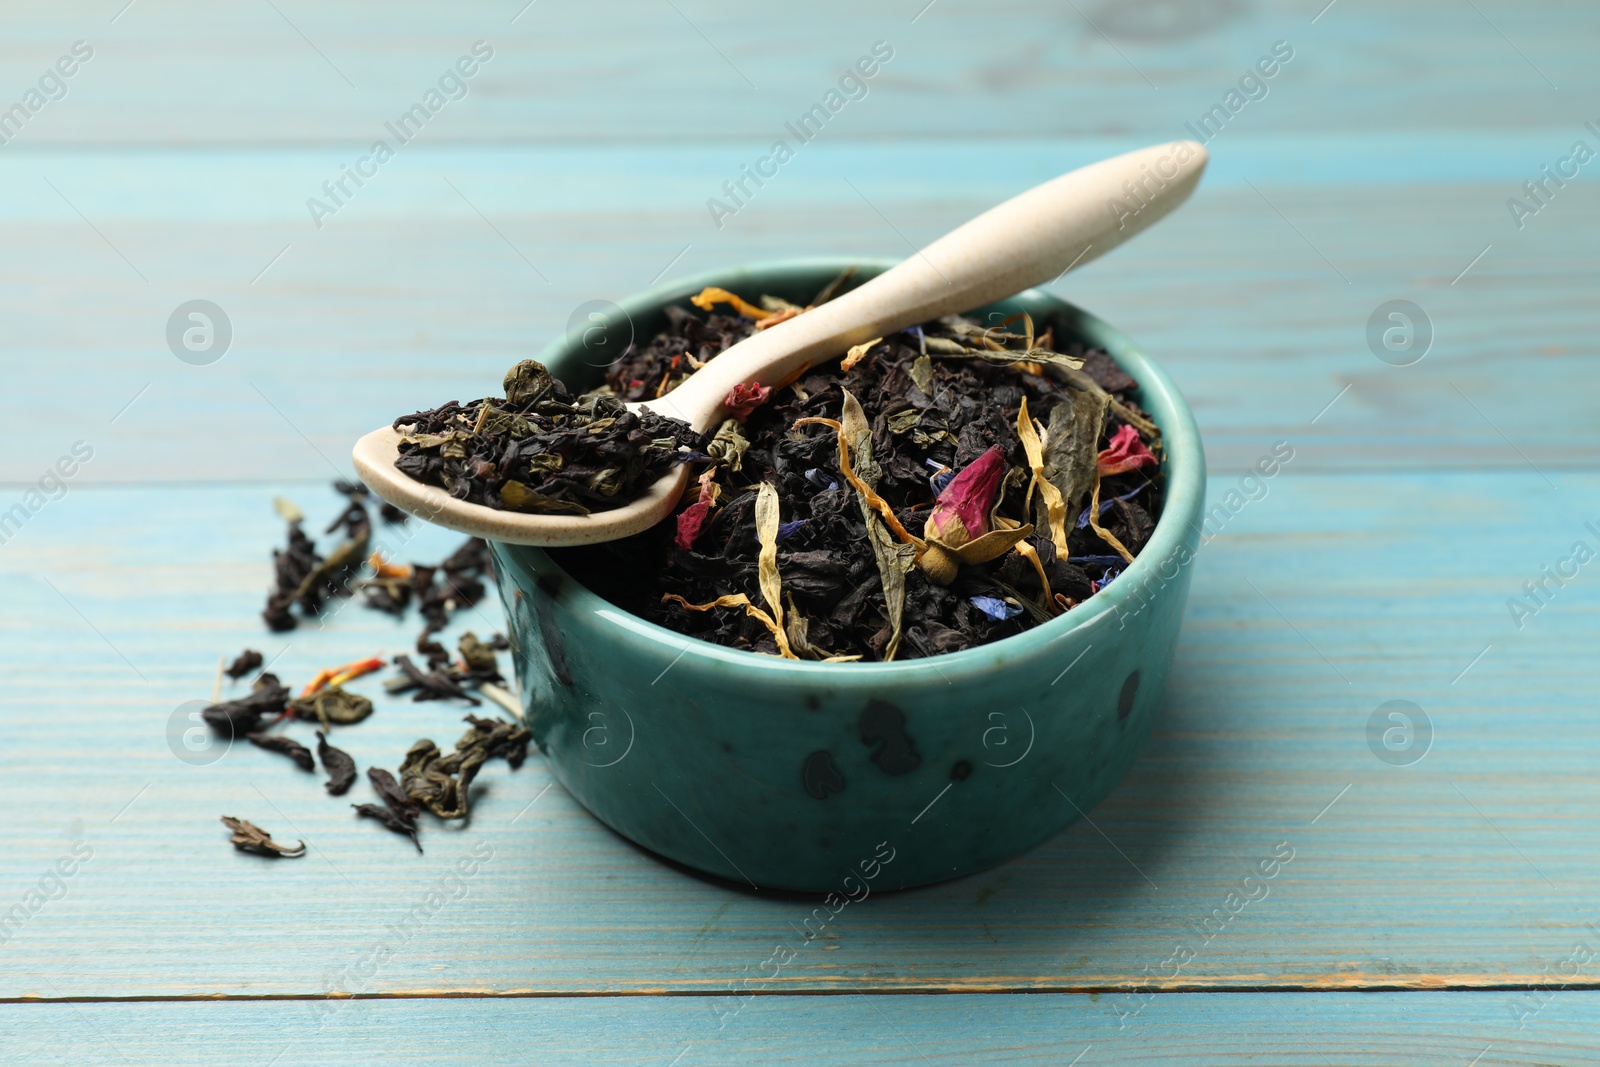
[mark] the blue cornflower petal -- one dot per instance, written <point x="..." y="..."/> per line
<point x="787" y="528"/>
<point x="995" y="608"/>
<point x="821" y="478"/>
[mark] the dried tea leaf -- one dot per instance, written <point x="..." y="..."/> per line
<point x="440" y="783"/>
<point x="348" y="555"/>
<point x="393" y="820"/>
<point x="895" y="557"/>
<point x="1052" y="508"/>
<point x="493" y="420"/>
<point x="340" y="767"/>
<point x="527" y="383"/>
<point x="477" y="655"/>
<point x="431" y="685"/>
<point x="498" y="739"/>
<point x="332" y="706"/>
<point x="233" y="718"/>
<point x="519" y="496"/>
<point x="384" y="784"/>
<point x="728" y="447"/>
<point x="922" y="374"/>
<point x="248" y="837"/>
<point x="1071" y="450"/>
<point x="767" y="521"/>
<point x="244" y="663"/>
<point x="288" y="746"/>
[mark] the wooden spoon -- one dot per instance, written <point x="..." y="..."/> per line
<point x="1028" y="240"/>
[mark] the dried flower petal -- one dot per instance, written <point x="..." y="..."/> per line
<point x="735" y="600"/>
<point x="1055" y="508"/>
<point x="693" y="518"/>
<point x="995" y="608"/>
<point x="711" y="296"/>
<point x="767" y="519"/>
<point x="744" y="398"/>
<point x="1125" y="453"/>
<point x="856" y="354"/>
<point x="961" y="513"/>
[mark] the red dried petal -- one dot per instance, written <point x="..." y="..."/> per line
<point x="1125" y="453"/>
<point x="743" y="399"/>
<point x="693" y="518"/>
<point x="690" y="522"/>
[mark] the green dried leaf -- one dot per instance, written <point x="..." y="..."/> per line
<point x="248" y="837"/>
<point x="518" y="496"/>
<point x="902" y="421"/>
<point x="495" y="421"/>
<point x="922" y="374"/>
<point x="333" y="706"/>
<point x="526" y="383"/>
<point x="895" y="558"/>
<point x="1071" y="450"/>
<point x="728" y="447"/>
<point x="478" y="656"/>
<point x="1005" y="357"/>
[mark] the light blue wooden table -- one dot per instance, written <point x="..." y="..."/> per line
<point x="1438" y="908"/>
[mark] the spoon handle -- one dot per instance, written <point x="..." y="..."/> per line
<point x="1030" y="239"/>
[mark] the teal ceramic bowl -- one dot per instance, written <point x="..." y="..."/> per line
<point x="850" y="777"/>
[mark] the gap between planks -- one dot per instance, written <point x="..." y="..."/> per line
<point x="1352" y="984"/>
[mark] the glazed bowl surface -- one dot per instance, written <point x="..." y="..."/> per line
<point x="848" y="777"/>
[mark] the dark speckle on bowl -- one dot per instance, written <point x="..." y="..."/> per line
<point x="550" y="630"/>
<point x="727" y="746"/>
<point x="812" y="701"/>
<point x="961" y="770"/>
<point x="1130" y="689"/>
<point x="884" y="725"/>
<point x="550" y="584"/>
<point x="821" y="776"/>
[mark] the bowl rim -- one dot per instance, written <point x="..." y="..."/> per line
<point x="1159" y="396"/>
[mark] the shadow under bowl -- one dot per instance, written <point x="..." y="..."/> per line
<point x="848" y="777"/>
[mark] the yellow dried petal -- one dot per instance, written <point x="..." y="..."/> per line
<point x="738" y="600"/>
<point x="856" y="354"/>
<point x="711" y="296"/>
<point x="1094" y="524"/>
<point x="1055" y="507"/>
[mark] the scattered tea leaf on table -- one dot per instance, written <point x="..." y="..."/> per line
<point x="337" y="763"/>
<point x="243" y="664"/>
<point x="333" y="706"/>
<point x="288" y="746"/>
<point x="248" y="837"/>
<point x="235" y="718"/>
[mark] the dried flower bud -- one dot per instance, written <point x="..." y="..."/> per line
<point x="961" y="513"/>
<point x="1125" y="453"/>
<point x="742" y="399"/>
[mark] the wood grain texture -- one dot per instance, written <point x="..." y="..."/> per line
<point x="409" y="295"/>
<point x="1194" y="1030"/>
<point x="1310" y="608"/>
<point x="186" y="72"/>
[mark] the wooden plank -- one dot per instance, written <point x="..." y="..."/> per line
<point x="1195" y="1030"/>
<point x="410" y="297"/>
<point x="1312" y="607"/>
<point x="185" y="73"/>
